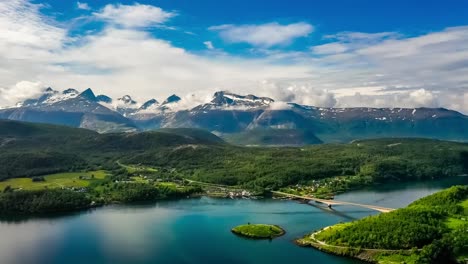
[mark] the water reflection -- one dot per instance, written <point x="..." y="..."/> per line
<point x="187" y="231"/>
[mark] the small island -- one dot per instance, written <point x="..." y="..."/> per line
<point x="258" y="231"/>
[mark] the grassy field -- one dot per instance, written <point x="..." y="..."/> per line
<point x="330" y="231"/>
<point x="137" y="168"/>
<point x="457" y="221"/>
<point x="396" y="258"/>
<point x="465" y="206"/>
<point x="139" y="179"/>
<point x="258" y="231"/>
<point x="454" y="223"/>
<point x="58" y="180"/>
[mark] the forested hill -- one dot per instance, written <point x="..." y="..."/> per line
<point x="28" y="149"/>
<point x="436" y="225"/>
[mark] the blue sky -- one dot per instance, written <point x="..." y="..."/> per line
<point x="334" y="53"/>
<point x="328" y="17"/>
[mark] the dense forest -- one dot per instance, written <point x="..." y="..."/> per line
<point x="13" y="202"/>
<point x="35" y="149"/>
<point x="433" y="224"/>
<point x="43" y="201"/>
<point x="191" y="155"/>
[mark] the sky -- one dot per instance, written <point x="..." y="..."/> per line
<point x="334" y="53"/>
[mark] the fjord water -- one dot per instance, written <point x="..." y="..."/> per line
<point x="191" y="230"/>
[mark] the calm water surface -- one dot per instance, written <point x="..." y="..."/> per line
<point x="192" y="230"/>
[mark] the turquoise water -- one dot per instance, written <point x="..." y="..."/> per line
<point x="191" y="230"/>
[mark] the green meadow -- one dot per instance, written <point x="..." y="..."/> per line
<point x="58" y="180"/>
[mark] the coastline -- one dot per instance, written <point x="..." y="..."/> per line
<point x="365" y="254"/>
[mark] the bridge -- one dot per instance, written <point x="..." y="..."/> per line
<point x="329" y="203"/>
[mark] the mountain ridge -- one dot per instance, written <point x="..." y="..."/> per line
<point x="229" y="114"/>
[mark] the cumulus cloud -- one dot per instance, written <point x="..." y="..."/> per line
<point x="133" y="16"/>
<point x="291" y="91"/>
<point x="83" y="6"/>
<point x="265" y="35"/>
<point x="407" y="99"/>
<point x="21" y="91"/>
<point x="279" y="106"/>
<point x="421" y="97"/>
<point x="355" y="69"/>
<point x="390" y="68"/>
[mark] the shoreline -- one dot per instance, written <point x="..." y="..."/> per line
<point x="364" y="254"/>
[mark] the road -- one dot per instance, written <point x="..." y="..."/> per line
<point x="335" y="202"/>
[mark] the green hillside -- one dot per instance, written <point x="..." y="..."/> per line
<point x="273" y="137"/>
<point x="199" y="155"/>
<point x="430" y="230"/>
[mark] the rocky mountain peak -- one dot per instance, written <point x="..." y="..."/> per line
<point x="70" y="91"/>
<point x="127" y="99"/>
<point x="49" y="90"/>
<point x="104" y="99"/>
<point x="148" y="104"/>
<point x="88" y="94"/>
<point x="223" y="98"/>
<point x="171" y="99"/>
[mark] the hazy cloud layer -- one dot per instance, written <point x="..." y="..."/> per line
<point x="349" y="69"/>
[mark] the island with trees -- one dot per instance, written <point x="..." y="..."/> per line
<point x="258" y="231"/>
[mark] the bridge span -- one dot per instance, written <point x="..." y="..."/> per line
<point x="329" y="203"/>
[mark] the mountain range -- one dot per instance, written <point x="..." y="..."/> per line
<point x="241" y="119"/>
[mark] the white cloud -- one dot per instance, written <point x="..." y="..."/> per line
<point x="356" y="69"/>
<point x="265" y="35"/>
<point x="349" y="36"/>
<point x="302" y="93"/>
<point x="21" y="91"/>
<point x="22" y="25"/>
<point x="331" y="48"/>
<point x="278" y="105"/>
<point x="83" y="6"/>
<point x="209" y="45"/>
<point x="134" y="16"/>
<point x="421" y="97"/>
<point x="389" y="69"/>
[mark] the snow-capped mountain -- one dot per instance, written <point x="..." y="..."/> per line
<point x="69" y="108"/>
<point x="229" y="114"/>
<point x="227" y="100"/>
<point x="104" y="99"/>
<point x="152" y="108"/>
<point x="171" y="100"/>
<point x="50" y="96"/>
<point x="126" y="105"/>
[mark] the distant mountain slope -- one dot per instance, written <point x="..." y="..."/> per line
<point x="273" y="137"/>
<point x="80" y="110"/>
<point x="33" y="149"/>
<point x="190" y="153"/>
<point x="240" y="117"/>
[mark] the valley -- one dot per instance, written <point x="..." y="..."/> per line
<point x="182" y="162"/>
<point x="48" y="170"/>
